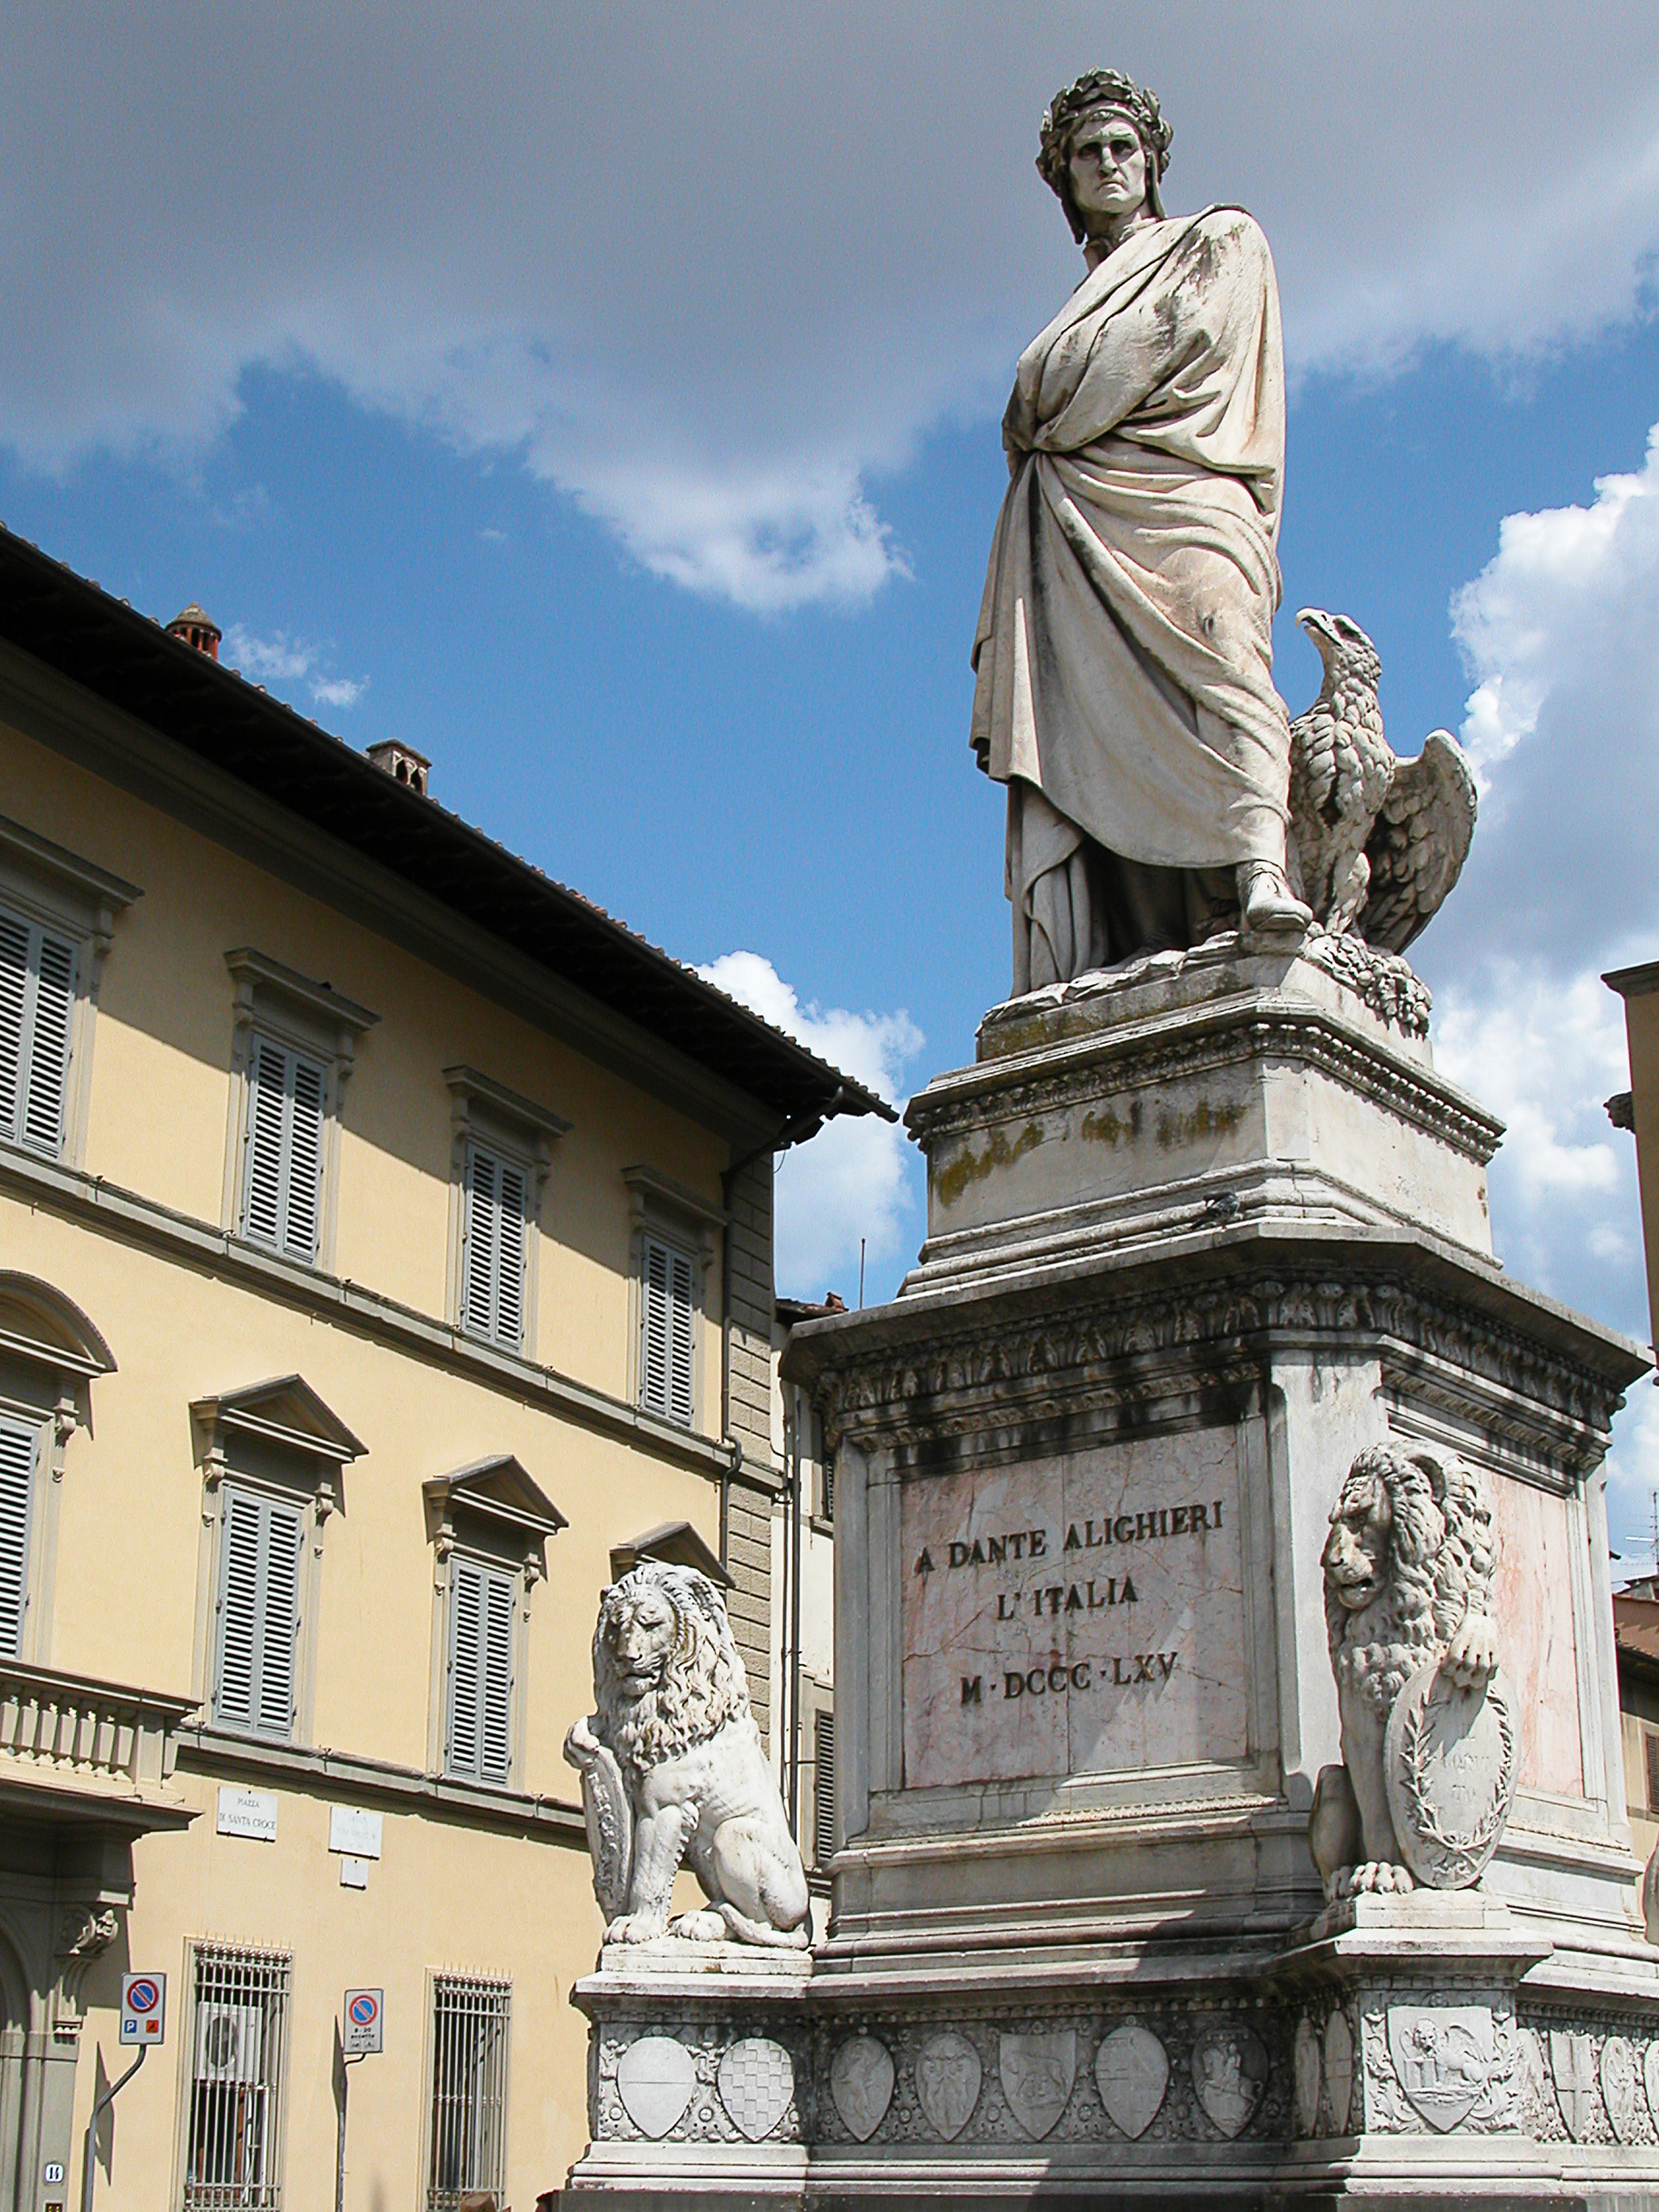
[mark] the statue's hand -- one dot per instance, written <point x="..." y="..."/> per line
<point x="1471" y="1656"/>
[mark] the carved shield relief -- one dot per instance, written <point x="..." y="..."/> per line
<point x="1572" y="2066"/>
<point x="1338" y="2070"/>
<point x="1619" y="2088"/>
<point x="1037" y="2071"/>
<point x="1308" y="2069"/>
<point x="948" y="2073"/>
<point x="860" y="2082"/>
<point x="655" y="2078"/>
<point x="1449" y="1767"/>
<point x="757" y="2080"/>
<point x="1132" y="2074"/>
<point x="1230" y="2073"/>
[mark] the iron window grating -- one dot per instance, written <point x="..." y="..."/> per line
<point x="238" y="2038"/>
<point x="471" y="2019"/>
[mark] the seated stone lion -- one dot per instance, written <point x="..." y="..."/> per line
<point x="1409" y="1568"/>
<point x="672" y="1771"/>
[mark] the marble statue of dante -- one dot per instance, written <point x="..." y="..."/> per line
<point x="1124" y="657"/>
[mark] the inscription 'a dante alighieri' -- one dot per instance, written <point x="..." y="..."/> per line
<point x="1100" y="1595"/>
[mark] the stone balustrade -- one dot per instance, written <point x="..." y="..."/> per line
<point x="104" y="1737"/>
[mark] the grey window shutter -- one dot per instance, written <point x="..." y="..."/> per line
<point x="509" y="1260"/>
<point x="654" y="1328"/>
<point x="280" y="1622"/>
<point x="479" y="1256"/>
<point x="262" y="1205"/>
<point x="303" y="1196"/>
<point x="496" y="1679"/>
<point x="823" y="1788"/>
<point x="18" y="1443"/>
<point x="49" y="1048"/>
<point x="494" y="1235"/>
<point x="668" y="1332"/>
<point x="682" y="1340"/>
<point x="281" y="1202"/>
<point x="258" y="1614"/>
<point x="465" y="1644"/>
<point x="37" y="998"/>
<point x="239" y="1612"/>
<point x="479" y="1733"/>
<point x="14" y="992"/>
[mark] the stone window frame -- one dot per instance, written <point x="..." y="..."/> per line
<point x="660" y="1207"/>
<point x="315" y="1019"/>
<point x="276" y="1440"/>
<point x="50" y="885"/>
<point x="493" y="1513"/>
<point x="50" y="1355"/>
<point x="486" y="1113"/>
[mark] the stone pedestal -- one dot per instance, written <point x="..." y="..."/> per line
<point x="1198" y="1231"/>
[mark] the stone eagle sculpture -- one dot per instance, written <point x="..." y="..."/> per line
<point x="673" y="1772"/>
<point x="1376" y="843"/>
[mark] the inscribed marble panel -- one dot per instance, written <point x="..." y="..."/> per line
<point x="1079" y="1614"/>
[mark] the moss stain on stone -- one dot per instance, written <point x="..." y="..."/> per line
<point x="1204" y="1119"/>
<point x="1105" y="1125"/>
<point x="970" y="1166"/>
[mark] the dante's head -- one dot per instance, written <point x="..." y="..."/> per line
<point x="1105" y="148"/>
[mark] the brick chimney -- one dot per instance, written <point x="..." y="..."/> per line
<point x="401" y="763"/>
<point x="193" y="628"/>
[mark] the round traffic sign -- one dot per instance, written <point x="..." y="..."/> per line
<point x="143" y="1995"/>
<point x="364" y="2008"/>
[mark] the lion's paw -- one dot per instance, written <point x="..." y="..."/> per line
<point x="700" y="1927"/>
<point x="636" y="1928"/>
<point x="1376" y="1877"/>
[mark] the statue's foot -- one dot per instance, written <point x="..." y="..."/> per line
<point x="1376" y="1877"/>
<point x="1268" y="906"/>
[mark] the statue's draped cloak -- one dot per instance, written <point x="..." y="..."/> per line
<point x="1124" y="650"/>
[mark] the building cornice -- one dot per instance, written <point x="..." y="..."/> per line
<point x="211" y="1752"/>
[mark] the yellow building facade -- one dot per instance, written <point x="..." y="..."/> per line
<point x="387" y="1249"/>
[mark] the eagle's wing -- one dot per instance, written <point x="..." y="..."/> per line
<point x="1419" y="842"/>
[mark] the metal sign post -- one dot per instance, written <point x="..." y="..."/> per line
<point x="143" y="2022"/>
<point x="362" y="2035"/>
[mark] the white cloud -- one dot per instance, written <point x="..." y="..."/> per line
<point x="857" y="1178"/>
<point x="712" y="271"/>
<point x="1563" y="723"/>
<point x="281" y="663"/>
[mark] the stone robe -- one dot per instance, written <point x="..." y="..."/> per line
<point x="1124" y="651"/>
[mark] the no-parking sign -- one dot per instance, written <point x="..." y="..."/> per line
<point x="143" y="2008"/>
<point x="364" y="2030"/>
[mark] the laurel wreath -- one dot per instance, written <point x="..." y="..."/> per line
<point x="1414" y="1760"/>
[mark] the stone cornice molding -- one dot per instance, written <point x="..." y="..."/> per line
<point x="1105" y="1349"/>
<point x="1228" y="1038"/>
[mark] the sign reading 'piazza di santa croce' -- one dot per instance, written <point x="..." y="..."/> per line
<point x="1226" y="1803"/>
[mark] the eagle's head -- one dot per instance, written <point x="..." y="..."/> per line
<point x="1342" y="645"/>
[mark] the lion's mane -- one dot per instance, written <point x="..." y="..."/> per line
<point x="702" y="1688"/>
<point x="1438" y="1567"/>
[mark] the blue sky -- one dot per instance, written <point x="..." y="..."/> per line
<point x="612" y="415"/>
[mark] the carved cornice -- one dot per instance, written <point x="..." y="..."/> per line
<point x="1308" y="1037"/>
<point x="1102" y="1350"/>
